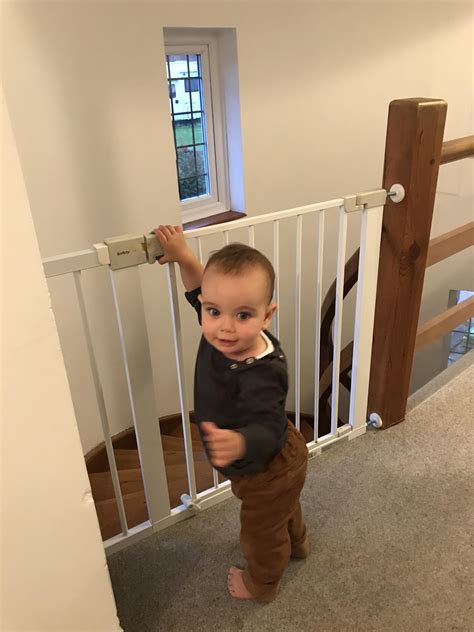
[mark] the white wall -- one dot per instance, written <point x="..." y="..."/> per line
<point x="54" y="573"/>
<point x="86" y="86"/>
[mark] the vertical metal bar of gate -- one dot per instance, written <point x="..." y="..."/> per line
<point x="364" y="317"/>
<point x="199" y="247"/>
<point x="317" y="342"/>
<point x="276" y="266"/>
<point x="183" y="399"/>
<point x="341" y="259"/>
<point x="299" y="227"/>
<point x="251" y="232"/>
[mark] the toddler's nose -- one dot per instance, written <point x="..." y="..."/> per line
<point x="227" y="324"/>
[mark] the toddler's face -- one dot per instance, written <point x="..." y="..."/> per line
<point x="234" y="311"/>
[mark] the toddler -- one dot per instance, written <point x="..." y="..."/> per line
<point x="240" y="389"/>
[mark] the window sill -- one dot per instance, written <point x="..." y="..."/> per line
<point x="220" y="218"/>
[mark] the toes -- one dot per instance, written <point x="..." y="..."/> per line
<point x="231" y="588"/>
<point x="230" y="583"/>
<point x="236" y="585"/>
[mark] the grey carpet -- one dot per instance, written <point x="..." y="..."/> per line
<point x="391" y="521"/>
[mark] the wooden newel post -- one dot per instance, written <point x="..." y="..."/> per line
<point x="412" y="156"/>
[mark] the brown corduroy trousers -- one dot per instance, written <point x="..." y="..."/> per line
<point x="272" y="525"/>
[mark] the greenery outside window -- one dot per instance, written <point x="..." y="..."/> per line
<point x="196" y="119"/>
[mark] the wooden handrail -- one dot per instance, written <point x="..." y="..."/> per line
<point x="444" y="323"/>
<point x="450" y="243"/>
<point x="457" y="149"/>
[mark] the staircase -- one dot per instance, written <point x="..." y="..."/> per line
<point x="130" y="476"/>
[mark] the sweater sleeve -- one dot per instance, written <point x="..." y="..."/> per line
<point x="192" y="298"/>
<point x="261" y="408"/>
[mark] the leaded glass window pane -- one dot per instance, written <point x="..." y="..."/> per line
<point x="186" y="97"/>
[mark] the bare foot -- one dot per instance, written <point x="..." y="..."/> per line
<point x="236" y="585"/>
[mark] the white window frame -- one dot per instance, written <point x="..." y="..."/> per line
<point x="219" y="200"/>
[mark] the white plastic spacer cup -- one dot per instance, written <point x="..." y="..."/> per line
<point x="397" y="193"/>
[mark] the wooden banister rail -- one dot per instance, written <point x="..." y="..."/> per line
<point x="444" y="323"/>
<point x="457" y="149"/>
<point x="328" y="309"/>
<point x="450" y="243"/>
<point x="412" y="156"/>
<point x="438" y="249"/>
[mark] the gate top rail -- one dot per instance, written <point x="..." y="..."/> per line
<point x="71" y="262"/>
<point x="267" y="217"/>
<point x="132" y="250"/>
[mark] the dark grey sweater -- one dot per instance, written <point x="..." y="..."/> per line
<point x="245" y="396"/>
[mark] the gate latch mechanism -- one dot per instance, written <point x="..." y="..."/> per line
<point x="127" y="251"/>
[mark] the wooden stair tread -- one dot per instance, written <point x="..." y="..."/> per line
<point x="127" y="459"/>
<point x="107" y="513"/>
<point x="102" y="487"/>
<point x="306" y="430"/>
<point x="177" y="443"/>
<point x="200" y="467"/>
<point x="178" y="432"/>
<point x="177" y="458"/>
<point x="178" y="481"/>
<point x="128" y="499"/>
<point x="131" y="483"/>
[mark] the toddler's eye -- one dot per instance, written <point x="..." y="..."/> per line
<point x="243" y="315"/>
<point x="212" y="311"/>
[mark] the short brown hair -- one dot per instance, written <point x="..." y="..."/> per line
<point x="236" y="258"/>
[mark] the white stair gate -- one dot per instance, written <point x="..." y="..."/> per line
<point x="132" y="251"/>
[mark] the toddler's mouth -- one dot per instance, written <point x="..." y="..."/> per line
<point x="223" y="341"/>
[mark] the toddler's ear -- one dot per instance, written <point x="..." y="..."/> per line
<point x="200" y="298"/>
<point x="269" y="313"/>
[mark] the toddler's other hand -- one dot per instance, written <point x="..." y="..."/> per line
<point x="225" y="446"/>
<point x="174" y="245"/>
